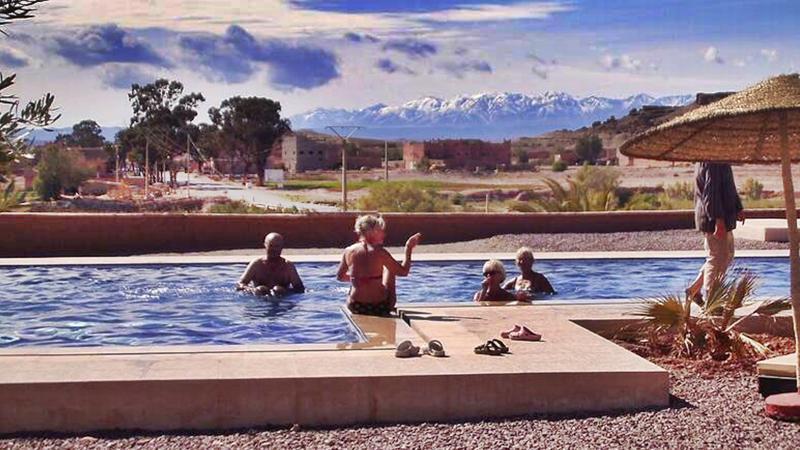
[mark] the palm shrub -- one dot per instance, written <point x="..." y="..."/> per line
<point x="753" y="189"/>
<point x="671" y="326"/>
<point x="591" y="189"/>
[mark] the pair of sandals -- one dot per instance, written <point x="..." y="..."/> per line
<point x="492" y="347"/>
<point x="407" y="349"/>
<point x="521" y="333"/>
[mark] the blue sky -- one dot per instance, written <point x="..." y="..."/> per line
<point x="338" y="53"/>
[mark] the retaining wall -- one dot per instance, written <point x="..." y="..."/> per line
<point x="78" y="234"/>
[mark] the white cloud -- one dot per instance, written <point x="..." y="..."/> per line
<point x="711" y="55"/>
<point x="739" y="63"/>
<point x="770" y="54"/>
<point x="624" y="61"/>
<point x="274" y="17"/>
<point x="491" y="13"/>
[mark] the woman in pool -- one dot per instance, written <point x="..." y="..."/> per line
<point x="371" y="269"/>
<point x="528" y="280"/>
<point x="494" y="273"/>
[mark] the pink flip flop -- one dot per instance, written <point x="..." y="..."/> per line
<point x="507" y="334"/>
<point x="525" y="334"/>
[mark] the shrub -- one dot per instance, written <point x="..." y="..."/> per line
<point x="236" y="207"/>
<point x="59" y="171"/>
<point x="753" y="189"/>
<point x="523" y="207"/>
<point x="669" y="323"/>
<point x="402" y="197"/>
<point x="559" y="166"/>
<point x="591" y="189"/>
<point x="10" y="198"/>
<point x="681" y="190"/>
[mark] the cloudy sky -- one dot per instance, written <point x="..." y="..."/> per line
<point x="354" y="53"/>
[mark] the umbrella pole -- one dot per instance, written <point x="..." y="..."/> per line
<point x="787" y="406"/>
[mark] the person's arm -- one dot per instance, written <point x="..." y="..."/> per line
<point x="510" y="284"/>
<point x="341" y="274"/>
<point x="297" y="283"/>
<point x="247" y="276"/>
<point x="401" y="269"/>
<point x="481" y="294"/>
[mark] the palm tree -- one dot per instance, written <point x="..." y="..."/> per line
<point x="669" y="321"/>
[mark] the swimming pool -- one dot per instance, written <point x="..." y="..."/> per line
<point x="67" y="306"/>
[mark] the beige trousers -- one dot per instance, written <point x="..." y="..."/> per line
<point x="720" y="255"/>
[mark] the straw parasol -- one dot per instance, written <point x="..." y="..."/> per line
<point x="758" y="125"/>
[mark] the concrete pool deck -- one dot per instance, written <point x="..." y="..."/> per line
<point x="218" y="387"/>
<point x="572" y="370"/>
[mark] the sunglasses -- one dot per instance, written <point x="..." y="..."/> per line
<point x="489" y="273"/>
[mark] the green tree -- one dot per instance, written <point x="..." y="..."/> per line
<point x="60" y="171"/>
<point x="589" y="148"/>
<point x="250" y="126"/>
<point x="15" y="122"/>
<point x="521" y="155"/>
<point x="162" y="115"/>
<point x="86" y="133"/>
<point x="591" y="189"/>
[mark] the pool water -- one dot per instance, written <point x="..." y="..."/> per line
<point x="196" y="304"/>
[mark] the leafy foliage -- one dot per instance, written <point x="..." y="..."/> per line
<point x="59" y="171"/>
<point x="671" y="325"/>
<point x="250" y="125"/>
<point x="162" y="115"/>
<point x="10" y="198"/>
<point x="753" y="189"/>
<point x="589" y="148"/>
<point x="559" y="166"/>
<point x="591" y="189"/>
<point x="86" y="133"/>
<point x="402" y="197"/>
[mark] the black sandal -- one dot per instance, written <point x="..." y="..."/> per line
<point x="489" y="348"/>
<point x="501" y="345"/>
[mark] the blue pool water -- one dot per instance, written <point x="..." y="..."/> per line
<point x="196" y="304"/>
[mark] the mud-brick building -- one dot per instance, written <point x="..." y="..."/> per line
<point x="465" y="154"/>
<point x="300" y="152"/>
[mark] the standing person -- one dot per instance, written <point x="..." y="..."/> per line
<point x="371" y="269"/>
<point x="717" y="207"/>
<point x="271" y="274"/>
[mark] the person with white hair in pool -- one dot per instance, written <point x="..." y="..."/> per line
<point x="528" y="280"/>
<point x="371" y="269"/>
<point x="494" y="273"/>
<point x="271" y="274"/>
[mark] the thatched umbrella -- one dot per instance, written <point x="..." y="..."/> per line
<point x="758" y="125"/>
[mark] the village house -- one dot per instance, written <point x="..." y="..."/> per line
<point x="457" y="153"/>
<point x="301" y="152"/>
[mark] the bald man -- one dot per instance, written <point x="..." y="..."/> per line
<point x="271" y="275"/>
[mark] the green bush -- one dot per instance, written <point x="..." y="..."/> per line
<point x="753" y="189"/>
<point x="10" y="198"/>
<point x="523" y="207"/>
<point x="681" y="190"/>
<point x="591" y="189"/>
<point x="402" y="197"/>
<point x="59" y="171"/>
<point x="559" y="166"/>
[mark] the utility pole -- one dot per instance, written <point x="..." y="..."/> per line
<point x="146" y="165"/>
<point x="346" y="132"/>
<point x="386" y="159"/>
<point x="188" y="163"/>
<point x="116" y="164"/>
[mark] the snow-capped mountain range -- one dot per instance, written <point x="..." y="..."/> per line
<point x="493" y="116"/>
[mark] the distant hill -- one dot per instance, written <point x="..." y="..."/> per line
<point x="490" y="116"/>
<point x="44" y="136"/>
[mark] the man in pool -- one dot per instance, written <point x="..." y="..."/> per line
<point x="371" y="269"/>
<point x="271" y="274"/>
<point x="528" y="280"/>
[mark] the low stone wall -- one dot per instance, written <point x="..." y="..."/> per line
<point x="77" y="234"/>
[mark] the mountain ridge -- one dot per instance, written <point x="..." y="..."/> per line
<point x="486" y="115"/>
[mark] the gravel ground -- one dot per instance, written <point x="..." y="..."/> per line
<point x="724" y="412"/>
<point x="562" y="242"/>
